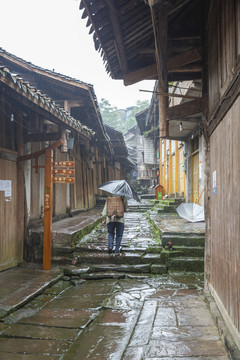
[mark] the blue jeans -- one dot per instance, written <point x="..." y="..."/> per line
<point x="111" y="232"/>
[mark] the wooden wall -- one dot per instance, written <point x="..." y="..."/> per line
<point x="78" y="185"/>
<point x="37" y="184"/>
<point x="173" y="173"/>
<point x="59" y="190"/>
<point x="170" y="168"/>
<point x="181" y="172"/>
<point x="223" y="229"/>
<point x="223" y="48"/>
<point x="11" y="250"/>
<point x="225" y="212"/>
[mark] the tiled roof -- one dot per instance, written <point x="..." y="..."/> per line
<point x="25" y="89"/>
<point x="36" y="67"/>
<point x="87" y="89"/>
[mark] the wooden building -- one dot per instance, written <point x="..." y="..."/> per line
<point x="133" y="140"/>
<point x="181" y="152"/>
<point x="25" y="113"/>
<point x="37" y="109"/>
<point x="195" y="40"/>
<point x="148" y="162"/>
<point x="121" y="164"/>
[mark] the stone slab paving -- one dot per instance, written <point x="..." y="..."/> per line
<point x="130" y="317"/>
<point x="19" y="285"/>
<point x="143" y="317"/>
<point x="175" y="224"/>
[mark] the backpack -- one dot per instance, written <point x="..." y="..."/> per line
<point x="115" y="207"/>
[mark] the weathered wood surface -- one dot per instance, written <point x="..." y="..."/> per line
<point x="9" y="254"/>
<point x="184" y="110"/>
<point x="181" y="172"/>
<point x="223" y="54"/>
<point x="48" y="186"/>
<point x="225" y="210"/>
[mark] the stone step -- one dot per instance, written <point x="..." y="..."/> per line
<point x="186" y="264"/>
<point x="105" y="258"/>
<point x="100" y="248"/>
<point x="190" y="251"/>
<point x="148" y="196"/>
<point x="111" y="270"/>
<point x="170" y="201"/>
<point x="188" y="239"/>
<point x="124" y="268"/>
<point x="165" y="202"/>
<point x="139" y="208"/>
<point x="129" y="258"/>
<point x="166" y="208"/>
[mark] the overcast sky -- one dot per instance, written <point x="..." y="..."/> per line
<point x="51" y="34"/>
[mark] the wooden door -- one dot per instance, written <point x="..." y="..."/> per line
<point x="10" y="254"/>
<point x="195" y="177"/>
<point x="181" y="173"/>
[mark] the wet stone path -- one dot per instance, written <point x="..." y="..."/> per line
<point x="126" y="315"/>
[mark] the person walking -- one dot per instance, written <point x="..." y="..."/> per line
<point x="113" y="213"/>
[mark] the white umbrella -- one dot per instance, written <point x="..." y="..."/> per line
<point x="121" y="188"/>
<point x="191" y="212"/>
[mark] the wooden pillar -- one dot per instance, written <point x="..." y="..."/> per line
<point x="97" y="167"/>
<point x="20" y="189"/>
<point x="170" y="167"/>
<point x="184" y="177"/>
<point x="165" y="168"/>
<point x="160" y="29"/>
<point x="47" y="240"/>
<point x="160" y="161"/>
<point x="176" y="169"/>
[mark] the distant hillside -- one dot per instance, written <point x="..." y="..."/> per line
<point x="121" y="119"/>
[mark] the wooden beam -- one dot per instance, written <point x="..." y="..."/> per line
<point x="68" y="104"/>
<point x="148" y="72"/>
<point x="20" y="189"/>
<point x="187" y="69"/>
<point x="160" y="31"/>
<point x="186" y="109"/>
<point x="147" y="50"/>
<point x="184" y="36"/>
<point x="42" y="137"/>
<point x="17" y="95"/>
<point x="181" y="60"/>
<point x="160" y="4"/>
<point x="173" y="65"/>
<point x="47" y="236"/>
<point x="41" y="152"/>
<point x="119" y="43"/>
<point x="173" y="95"/>
<point x="184" y="76"/>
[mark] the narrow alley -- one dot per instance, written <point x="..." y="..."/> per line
<point x="106" y="307"/>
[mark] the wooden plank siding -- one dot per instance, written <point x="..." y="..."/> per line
<point x="59" y="190"/>
<point x="37" y="183"/>
<point x="223" y="52"/>
<point x="10" y="253"/>
<point x="223" y="225"/>
<point x="172" y="175"/>
<point x="195" y="177"/>
<point x="181" y="172"/>
<point x="225" y="210"/>
<point x="79" y="176"/>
